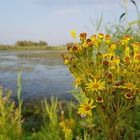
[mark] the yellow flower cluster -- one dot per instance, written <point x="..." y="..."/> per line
<point x="103" y="68"/>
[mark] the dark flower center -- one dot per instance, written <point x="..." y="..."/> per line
<point x="87" y="107"/>
<point x="99" y="98"/>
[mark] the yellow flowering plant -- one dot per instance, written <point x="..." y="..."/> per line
<point x="107" y="72"/>
<point x="67" y="126"/>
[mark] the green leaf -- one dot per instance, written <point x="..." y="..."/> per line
<point x="122" y="15"/>
<point x="134" y="22"/>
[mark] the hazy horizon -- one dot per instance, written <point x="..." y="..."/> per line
<point x="52" y="20"/>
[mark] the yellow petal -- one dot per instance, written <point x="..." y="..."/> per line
<point x="73" y="34"/>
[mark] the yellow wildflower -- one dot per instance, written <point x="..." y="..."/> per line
<point x="66" y="61"/>
<point x="69" y="47"/>
<point x="137" y="58"/>
<point x="112" y="47"/>
<point x="99" y="99"/>
<point x="128" y="95"/>
<point x="125" y="40"/>
<point x="118" y="84"/>
<point x="77" y="82"/>
<point x="73" y="34"/>
<point x="107" y="39"/>
<point x="89" y="45"/>
<point x="100" y="36"/>
<point x="127" y="59"/>
<point x="83" y="36"/>
<point x="75" y="48"/>
<point x="95" y="85"/>
<point x="136" y="47"/>
<point x="105" y="63"/>
<point x="67" y="126"/>
<point x="135" y="44"/>
<point x="128" y="86"/>
<point x="85" y="108"/>
<point x="108" y="56"/>
<point x="89" y="42"/>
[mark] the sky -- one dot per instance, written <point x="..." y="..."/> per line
<point x="52" y="20"/>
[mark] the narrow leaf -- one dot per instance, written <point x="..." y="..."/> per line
<point x="122" y="15"/>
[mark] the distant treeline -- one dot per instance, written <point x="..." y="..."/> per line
<point x="26" y="45"/>
<point x="31" y="43"/>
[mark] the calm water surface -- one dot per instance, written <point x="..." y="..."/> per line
<point x="41" y="77"/>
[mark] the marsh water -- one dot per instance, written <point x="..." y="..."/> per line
<point x="43" y="74"/>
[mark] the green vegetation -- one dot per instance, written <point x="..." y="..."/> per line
<point x="125" y="27"/>
<point x="107" y="91"/>
<point x="103" y="68"/>
<point x="18" y="48"/>
<point x="30" y="45"/>
<point x="52" y="120"/>
<point x="49" y="55"/>
<point x="10" y="115"/>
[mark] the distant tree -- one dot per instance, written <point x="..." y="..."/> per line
<point x="20" y="43"/>
<point x="31" y="43"/>
<point x="42" y="43"/>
